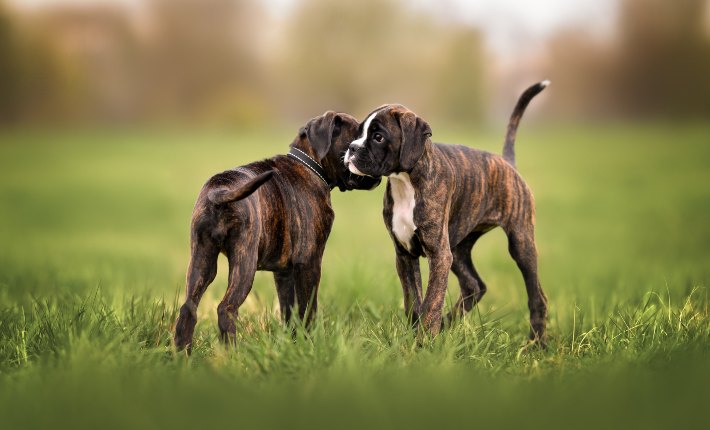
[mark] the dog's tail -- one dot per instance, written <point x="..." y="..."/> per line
<point x="223" y="195"/>
<point x="523" y="101"/>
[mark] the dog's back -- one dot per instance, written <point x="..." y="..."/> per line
<point x="247" y="202"/>
<point x="486" y="187"/>
<point x="226" y="200"/>
<point x="491" y="189"/>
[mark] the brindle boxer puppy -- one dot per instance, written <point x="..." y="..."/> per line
<point x="270" y="215"/>
<point x="440" y="199"/>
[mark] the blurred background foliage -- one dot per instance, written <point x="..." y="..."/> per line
<point x="114" y="112"/>
<point x="243" y="62"/>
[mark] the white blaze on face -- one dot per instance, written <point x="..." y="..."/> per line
<point x="365" y="129"/>
<point x="402" y="193"/>
<point x="359" y="142"/>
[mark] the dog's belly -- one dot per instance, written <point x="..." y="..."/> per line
<point x="402" y="194"/>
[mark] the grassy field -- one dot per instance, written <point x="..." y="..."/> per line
<point x="94" y="233"/>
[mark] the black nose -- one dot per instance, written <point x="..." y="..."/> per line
<point x="352" y="148"/>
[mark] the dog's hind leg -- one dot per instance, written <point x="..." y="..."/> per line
<point x="242" y="267"/>
<point x="286" y="291"/>
<point x="472" y="286"/>
<point x="521" y="244"/>
<point x="200" y="273"/>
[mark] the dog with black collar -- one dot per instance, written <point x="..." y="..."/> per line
<point x="440" y="200"/>
<point x="272" y="215"/>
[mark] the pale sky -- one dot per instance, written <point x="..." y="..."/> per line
<point x="507" y="24"/>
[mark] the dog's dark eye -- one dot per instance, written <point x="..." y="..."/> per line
<point x="378" y="137"/>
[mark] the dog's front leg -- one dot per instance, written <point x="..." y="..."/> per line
<point x="430" y="217"/>
<point x="439" y="266"/>
<point x="411" y="279"/>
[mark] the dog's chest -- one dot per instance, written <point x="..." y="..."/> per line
<point x="402" y="194"/>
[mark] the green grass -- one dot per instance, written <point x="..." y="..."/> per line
<point x="94" y="230"/>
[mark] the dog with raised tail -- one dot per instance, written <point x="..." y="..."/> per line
<point x="440" y="200"/>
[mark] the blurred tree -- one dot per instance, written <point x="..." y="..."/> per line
<point x="460" y="79"/>
<point x="355" y="56"/>
<point x="31" y="77"/>
<point x="101" y="58"/>
<point x="211" y="60"/>
<point x="203" y="58"/>
<point x="9" y="74"/>
<point x="664" y="58"/>
<point x="657" y="65"/>
<point x="581" y="68"/>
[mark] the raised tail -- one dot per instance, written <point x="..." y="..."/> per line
<point x="523" y="101"/>
<point x="223" y="195"/>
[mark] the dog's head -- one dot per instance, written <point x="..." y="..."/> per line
<point x="391" y="140"/>
<point x="328" y="137"/>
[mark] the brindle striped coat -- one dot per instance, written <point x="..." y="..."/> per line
<point x="272" y="215"/>
<point x="440" y="200"/>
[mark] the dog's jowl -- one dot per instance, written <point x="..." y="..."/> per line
<point x="272" y="215"/>
<point x="440" y="200"/>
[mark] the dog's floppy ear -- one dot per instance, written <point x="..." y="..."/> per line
<point x="320" y="132"/>
<point x="415" y="132"/>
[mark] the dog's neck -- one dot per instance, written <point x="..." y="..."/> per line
<point x="302" y="145"/>
<point x="422" y="168"/>
<point x="306" y="156"/>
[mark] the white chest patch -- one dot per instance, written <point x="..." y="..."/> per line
<point x="402" y="193"/>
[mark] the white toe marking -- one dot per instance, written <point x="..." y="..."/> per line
<point x="402" y="193"/>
